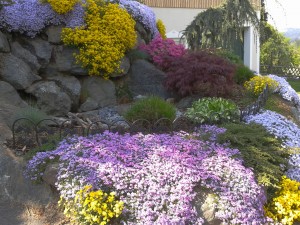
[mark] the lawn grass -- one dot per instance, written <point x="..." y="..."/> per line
<point x="295" y="83"/>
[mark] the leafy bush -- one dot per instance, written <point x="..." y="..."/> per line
<point x="242" y="74"/>
<point x="161" y="28"/>
<point x="230" y="56"/>
<point x="92" y="207"/>
<point x="200" y="73"/>
<point x="285" y="206"/>
<point x="260" y="151"/>
<point x="213" y="110"/>
<point x="151" y="109"/>
<point x="257" y="84"/>
<point x="102" y="43"/>
<point x="163" y="51"/>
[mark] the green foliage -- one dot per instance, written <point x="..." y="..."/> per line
<point x="277" y="50"/>
<point x="213" y="110"/>
<point x="242" y="74"/>
<point x="152" y="109"/>
<point x="295" y="83"/>
<point x="222" y="26"/>
<point x="5" y="3"/>
<point x="50" y="145"/>
<point x="230" y="56"/>
<point x="31" y="113"/>
<point x="260" y="151"/>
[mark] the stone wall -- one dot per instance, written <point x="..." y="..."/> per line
<point x="46" y="70"/>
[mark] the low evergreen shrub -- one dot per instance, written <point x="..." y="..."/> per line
<point x="260" y="151"/>
<point x="242" y="74"/>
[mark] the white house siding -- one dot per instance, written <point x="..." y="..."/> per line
<point x="177" y="19"/>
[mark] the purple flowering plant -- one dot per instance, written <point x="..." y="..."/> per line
<point x="156" y="176"/>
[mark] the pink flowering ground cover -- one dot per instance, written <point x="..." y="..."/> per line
<point x="156" y="176"/>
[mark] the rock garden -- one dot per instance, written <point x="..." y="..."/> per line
<point x="103" y="120"/>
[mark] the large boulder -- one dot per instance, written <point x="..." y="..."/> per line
<point x="4" y="45"/>
<point x="70" y="85"/>
<point x="25" y="55"/>
<point x="16" y="72"/>
<point x="41" y="48"/>
<point x="64" y="61"/>
<point x="98" y="93"/>
<point x="50" y="98"/>
<point x="54" y="34"/>
<point x="146" y="79"/>
<point x="10" y="95"/>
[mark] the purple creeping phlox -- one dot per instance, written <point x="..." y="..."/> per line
<point x="286" y="130"/>
<point x="142" y="14"/>
<point x="156" y="176"/>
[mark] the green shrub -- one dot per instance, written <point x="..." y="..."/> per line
<point x="152" y="109"/>
<point x="213" y="110"/>
<point x="230" y="56"/>
<point x="242" y="74"/>
<point x="260" y="151"/>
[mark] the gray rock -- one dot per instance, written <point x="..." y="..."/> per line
<point x="124" y="66"/>
<point x="50" y="98"/>
<point x="99" y="91"/>
<point x="54" y="34"/>
<point x="146" y="79"/>
<point x="16" y="72"/>
<point x="25" y="55"/>
<point x="10" y="95"/>
<point x="139" y="40"/>
<point x="65" y="62"/>
<point x="42" y="49"/>
<point x="187" y="102"/>
<point x="205" y="205"/>
<point x="143" y="33"/>
<point x="4" y="45"/>
<point x="50" y="174"/>
<point x="71" y="86"/>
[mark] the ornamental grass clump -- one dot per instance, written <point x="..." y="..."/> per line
<point x="102" y="43"/>
<point x="285" y="206"/>
<point x="257" y="84"/>
<point x="156" y="176"/>
<point x="151" y="109"/>
<point x="92" y="207"/>
<point x="213" y="110"/>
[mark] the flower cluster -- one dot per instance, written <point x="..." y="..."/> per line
<point x="285" y="90"/>
<point x="285" y="207"/>
<point x="93" y="207"/>
<point x="102" y="43"/>
<point x="286" y="130"/>
<point x="161" y="28"/>
<point x="163" y="51"/>
<point x="156" y="176"/>
<point x="62" y="6"/>
<point x="31" y="17"/>
<point x="257" y="84"/>
<point x="142" y="14"/>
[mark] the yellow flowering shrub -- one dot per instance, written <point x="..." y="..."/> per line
<point x="93" y="207"/>
<point x="257" y="84"/>
<point x="102" y="43"/>
<point x="161" y="28"/>
<point x="285" y="207"/>
<point x="62" y="6"/>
